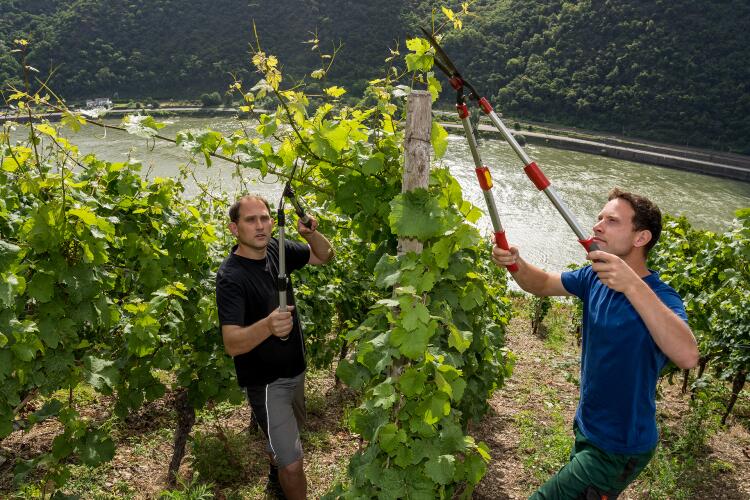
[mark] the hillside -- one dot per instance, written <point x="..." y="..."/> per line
<point x="676" y="71"/>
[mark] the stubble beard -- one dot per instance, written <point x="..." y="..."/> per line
<point x="252" y="243"/>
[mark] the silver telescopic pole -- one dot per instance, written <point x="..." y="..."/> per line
<point x="282" y="271"/>
<point x="443" y="62"/>
<point x="538" y="178"/>
<point x="281" y="281"/>
<point x="485" y="181"/>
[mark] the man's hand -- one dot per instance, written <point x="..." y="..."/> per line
<point x="280" y="323"/>
<point x="305" y="231"/>
<point x="321" y="251"/>
<point x="504" y="258"/>
<point x="529" y="277"/>
<point x="613" y="271"/>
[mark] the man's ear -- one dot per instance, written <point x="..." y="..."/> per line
<point x="233" y="228"/>
<point x="642" y="238"/>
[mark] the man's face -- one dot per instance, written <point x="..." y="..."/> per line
<point x="615" y="233"/>
<point x="254" y="226"/>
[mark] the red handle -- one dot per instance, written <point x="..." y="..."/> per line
<point x="589" y="244"/>
<point x="503" y="243"/>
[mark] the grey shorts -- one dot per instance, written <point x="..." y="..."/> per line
<point x="279" y="408"/>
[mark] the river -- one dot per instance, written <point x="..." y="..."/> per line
<point x="530" y="220"/>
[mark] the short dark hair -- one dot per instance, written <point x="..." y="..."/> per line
<point x="234" y="210"/>
<point x="646" y="214"/>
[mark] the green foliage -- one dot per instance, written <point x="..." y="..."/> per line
<point x="428" y="353"/>
<point x="428" y="358"/>
<point x="668" y="70"/>
<point x="683" y="459"/>
<point x="335" y="298"/>
<point x="212" y="99"/>
<point x="538" y="309"/>
<point x="189" y="490"/>
<point x="108" y="280"/>
<point x="170" y="49"/>
<point x="637" y="68"/>
<point x="711" y="272"/>
<point x="544" y="444"/>
<point x="219" y="457"/>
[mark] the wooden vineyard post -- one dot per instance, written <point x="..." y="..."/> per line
<point x="417" y="148"/>
<point x="416" y="168"/>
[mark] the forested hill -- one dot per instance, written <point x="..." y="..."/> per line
<point x="673" y="70"/>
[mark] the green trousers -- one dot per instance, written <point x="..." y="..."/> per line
<point x="592" y="473"/>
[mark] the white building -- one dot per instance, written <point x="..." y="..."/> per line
<point x="99" y="102"/>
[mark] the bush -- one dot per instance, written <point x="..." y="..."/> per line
<point x="219" y="457"/>
<point x="538" y="309"/>
<point x="189" y="490"/>
<point x="212" y="99"/>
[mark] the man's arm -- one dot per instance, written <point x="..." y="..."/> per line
<point x="241" y="339"/>
<point x="321" y="251"/>
<point x="529" y="277"/>
<point x="670" y="332"/>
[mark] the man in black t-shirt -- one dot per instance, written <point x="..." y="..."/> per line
<point x="267" y="344"/>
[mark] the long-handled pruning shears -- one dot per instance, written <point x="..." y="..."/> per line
<point x="282" y="278"/>
<point x="443" y="62"/>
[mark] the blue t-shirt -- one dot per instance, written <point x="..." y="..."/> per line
<point x="620" y="364"/>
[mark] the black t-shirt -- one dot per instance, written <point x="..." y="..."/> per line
<point x="247" y="292"/>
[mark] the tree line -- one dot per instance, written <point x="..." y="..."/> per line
<point x="675" y="71"/>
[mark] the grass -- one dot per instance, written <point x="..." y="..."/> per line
<point x="82" y="395"/>
<point x="557" y="325"/>
<point x="545" y="444"/>
<point x="545" y="437"/>
<point x="219" y="455"/>
<point x="92" y="482"/>
<point x="143" y="445"/>
<point x="683" y="463"/>
<point x="217" y="412"/>
<point x="189" y="490"/>
<point x="316" y="440"/>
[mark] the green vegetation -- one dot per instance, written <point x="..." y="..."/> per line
<point x="107" y="281"/>
<point x="106" y="289"/>
<point x="681" y="462"/>
<point x="712" y="273"/>
<point x="212" y="99"/>
<point x="668" y="70"/>
<point x="545" y="444"/>
<point x="538" y="309"/>
<point x="190" y="490"/>
<point x="674" y="71"/>
<point x="220" y="455"/>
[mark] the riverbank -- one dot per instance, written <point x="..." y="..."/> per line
<point x="707" y="162"/>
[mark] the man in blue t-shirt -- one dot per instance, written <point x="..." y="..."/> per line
<point x="633" y="323"/>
